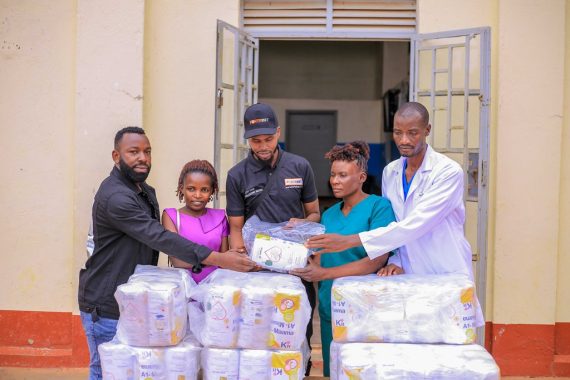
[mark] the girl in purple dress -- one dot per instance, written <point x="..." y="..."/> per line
<point x="197" y="185"/>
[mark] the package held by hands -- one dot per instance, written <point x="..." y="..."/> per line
<point x="278" y="254"/>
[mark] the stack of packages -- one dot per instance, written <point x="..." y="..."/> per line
<point x="408" y="326"/>
<point x="252" y="325"/>
<point x="151" y="340"/>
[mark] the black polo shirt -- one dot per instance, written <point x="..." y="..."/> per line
<point x="294" y="186"/>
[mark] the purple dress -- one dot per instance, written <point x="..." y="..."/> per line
<point x="207" y="230"/>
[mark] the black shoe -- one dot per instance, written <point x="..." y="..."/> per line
<point x="308" y="369"/>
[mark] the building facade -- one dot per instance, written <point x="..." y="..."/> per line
<point x="73" y="72"/>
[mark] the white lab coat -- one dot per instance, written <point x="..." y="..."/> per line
<point x="429" y="228"/>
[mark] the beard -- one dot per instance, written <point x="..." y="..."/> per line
<point x="131" y="174"/>
<point x="412" y="150"/>
<point x="269" y="160"/>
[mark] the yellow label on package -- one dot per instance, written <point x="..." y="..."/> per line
<point x="278" y="254"/>
<point x="286" y="365"/>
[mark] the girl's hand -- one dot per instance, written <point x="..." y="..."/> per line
<point x="312" y="272"/>
<point x="390" y="270"/>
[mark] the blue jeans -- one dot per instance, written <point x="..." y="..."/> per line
<point x="101" y="331"/>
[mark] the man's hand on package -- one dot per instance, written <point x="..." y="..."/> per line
<point x="333" y="242"/>
<point x="312" y="272"/>
<point x="256" y="268"/>
<point x="390" y="270"/>
<point x="232" y="259"/>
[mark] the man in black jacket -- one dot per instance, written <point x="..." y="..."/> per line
<point x="127" y="232"/>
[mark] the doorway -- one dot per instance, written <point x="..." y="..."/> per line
<point x="349" y="79"/>
<point x="449" y="74"/>
<point x="310" y="134"/>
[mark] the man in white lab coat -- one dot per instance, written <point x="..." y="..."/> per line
<point x="426" y="191"/>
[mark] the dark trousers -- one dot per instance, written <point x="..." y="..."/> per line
<point x="312" y="296"/>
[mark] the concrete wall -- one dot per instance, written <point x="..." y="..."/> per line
<point x="320" y="70"/>
<point x="72" y="75"/>
<point x="563" y="285"/>
<point x="524" y="228"/>
<point x="109" y="96"/>
<point x="179" y="77"/>
<point x="75" y="77"/>
<point x="36" y="147"/>
<point x="357" y="119"/>
<point x="180" y="67"/>
<point x="395" y="64"/>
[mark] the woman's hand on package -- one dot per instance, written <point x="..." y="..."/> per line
<point x="312" y="272"/>
<point x="390" y="270"/>
<point x="333" y="242"/>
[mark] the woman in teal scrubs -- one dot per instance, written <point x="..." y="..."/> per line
<point x="357" y="212"/>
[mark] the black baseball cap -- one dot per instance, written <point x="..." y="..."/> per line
<point x="259" y="119"/>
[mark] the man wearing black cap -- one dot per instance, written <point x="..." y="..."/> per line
<point x="275" y="185"/>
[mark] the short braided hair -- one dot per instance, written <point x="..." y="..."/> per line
<point x="197" y="166"/>
<point x="358" y="151"/>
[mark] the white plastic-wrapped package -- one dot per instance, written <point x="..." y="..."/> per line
<point x="120" y="361"/>
<point x="149" y="273"/>
<point x="152" y="313"/>
<point x="213" y="311"/>
<point x="277" y="254"/>
<point x="151" y="363"/>
<point x="404" y="309"/>
<point x="372" y="361"/>
<point x="288" y="327"/>
<point x="183" y="360"/>
<point x="220" y="363"/>
<point x="279" y="246"/>
<point x="352" y="361"/>
<point x="250" y="310"/>
<point x="254" y="365"/>
<point x="221" y="311"/>
<point x="271" y="365"/>
<point x="256" y="312"/>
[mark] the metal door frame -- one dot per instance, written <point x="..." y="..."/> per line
<point x="245" y="77"/>
<point x="484" y="123"/>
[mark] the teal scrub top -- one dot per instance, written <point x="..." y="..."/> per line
<point x="372" y="212"/>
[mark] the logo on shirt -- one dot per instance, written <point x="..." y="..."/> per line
<point x="293" y="183"/>
<point x="253" y="191"/>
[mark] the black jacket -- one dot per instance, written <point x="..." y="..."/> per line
<point x="127" y="232"/>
